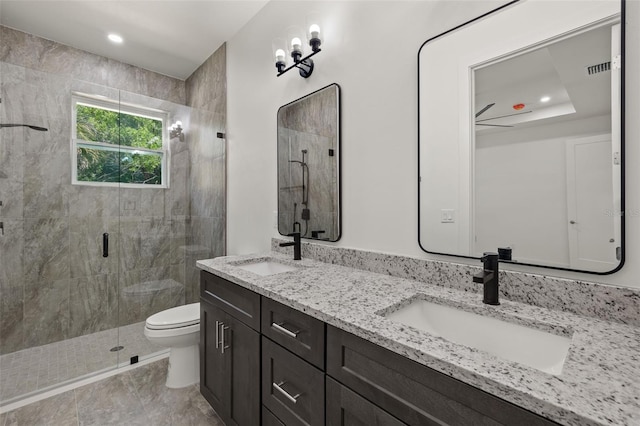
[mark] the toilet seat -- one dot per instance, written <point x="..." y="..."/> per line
<point x="178" y="317"/>
<point x="167" y="333"/>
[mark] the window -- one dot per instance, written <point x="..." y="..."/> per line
<point x="118" y="145"/>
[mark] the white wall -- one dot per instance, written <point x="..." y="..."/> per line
<point x="369" y="49"/>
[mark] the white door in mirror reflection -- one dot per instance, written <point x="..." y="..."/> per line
<point x="590" y="203"/>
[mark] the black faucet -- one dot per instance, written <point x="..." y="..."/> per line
<point x="297" y="253"/>
<point x="489" y="278"/>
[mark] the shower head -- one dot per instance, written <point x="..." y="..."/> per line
<point x="38" y="128"/>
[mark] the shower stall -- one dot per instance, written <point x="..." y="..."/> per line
<point x="101" y="222"/>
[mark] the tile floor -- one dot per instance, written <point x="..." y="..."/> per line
<point x="41" y="367"/>
<point x="135" y="397"/>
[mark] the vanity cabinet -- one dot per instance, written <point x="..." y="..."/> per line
<point x="264" y="363"/>
<point x="230" y="350"/>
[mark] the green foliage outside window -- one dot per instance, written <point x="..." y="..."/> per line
<point x="125" y="131"/>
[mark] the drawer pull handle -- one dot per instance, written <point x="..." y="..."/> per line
<point x="281" y="329"/>
<point x="278" y="387"/>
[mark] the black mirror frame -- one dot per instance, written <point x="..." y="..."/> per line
<point x="622" y="142"/>
<point x="338" y="155"/>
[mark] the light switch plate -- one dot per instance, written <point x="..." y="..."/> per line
<point x="447" y="216"/>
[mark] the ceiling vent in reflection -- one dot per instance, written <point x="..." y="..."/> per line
<point x="598" y="68"/>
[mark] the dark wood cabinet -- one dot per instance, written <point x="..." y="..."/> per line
<point x="229" y="364"/>
<point x="301" y="371"/>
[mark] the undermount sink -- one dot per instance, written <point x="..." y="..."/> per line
<point x="535" y="348"/>
<point x="267" y="267"/>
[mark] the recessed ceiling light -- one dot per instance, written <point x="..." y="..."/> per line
<point x="115" y="38"/>
<point x="545" y="99"/>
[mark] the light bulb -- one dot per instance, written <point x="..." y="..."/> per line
<point x="545" y="99"/>
<point x="295" y="44"/>
<point x="314" y="30"/>
<point x="115" y="38"/>
<point x="280" y="55"/>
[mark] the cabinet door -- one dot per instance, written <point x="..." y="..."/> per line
<point x="229" y="366"/>
<point x="347" y="408"/>
<point x="243" y="358"/>
<point x="214" y="378"/>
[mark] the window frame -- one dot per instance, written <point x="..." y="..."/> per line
<point x="125" y="108"/>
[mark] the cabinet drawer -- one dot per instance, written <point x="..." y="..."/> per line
<point x="347" y="408"/>
<point x="414" y="393"/>
<point x="295" y="330"/>
<point x="237" y="301"/>
<point x="292" y="389"/>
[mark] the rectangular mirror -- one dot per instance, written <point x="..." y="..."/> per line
<point x="521" y="136"/>
<point x="309" y="165"/>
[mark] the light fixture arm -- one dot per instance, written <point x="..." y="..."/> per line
<point x="305" y="65"/>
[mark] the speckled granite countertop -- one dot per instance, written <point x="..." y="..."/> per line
<point x="599" y="383"/>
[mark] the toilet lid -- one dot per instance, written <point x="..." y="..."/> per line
<point x="180" y="316"/>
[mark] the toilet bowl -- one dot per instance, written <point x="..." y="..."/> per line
<point x="179" y="330"/>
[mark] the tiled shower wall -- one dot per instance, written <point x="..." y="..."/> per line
<point x="206" y="91"/>
<point x="54" y="282"/>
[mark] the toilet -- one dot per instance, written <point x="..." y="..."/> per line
<point x="179" y="330"/>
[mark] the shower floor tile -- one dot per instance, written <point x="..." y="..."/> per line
<point x="41" y="367"/>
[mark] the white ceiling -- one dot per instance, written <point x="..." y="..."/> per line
<point x="171" y="37"/>
<point x="557" y="70"/>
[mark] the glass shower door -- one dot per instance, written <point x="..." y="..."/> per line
<point x="58" y="294"/>
<point x="154" y="211"/>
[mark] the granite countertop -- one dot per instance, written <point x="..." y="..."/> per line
<point x="599" y="383"/>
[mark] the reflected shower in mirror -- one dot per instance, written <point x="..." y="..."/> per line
<point x="521" y="142"/>
<point x="309" y="165"/>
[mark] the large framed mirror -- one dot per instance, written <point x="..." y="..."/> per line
<point x="521" y="140"/>
<point x="309" y="165"/>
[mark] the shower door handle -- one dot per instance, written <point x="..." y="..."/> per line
<point x="105" y="245"/>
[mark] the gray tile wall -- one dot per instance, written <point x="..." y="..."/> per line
<point x="32" y="52"/>
<point x="206" y="92"/>
<point x="54" y="282"/>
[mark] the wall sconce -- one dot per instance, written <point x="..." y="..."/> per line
<point x="305" y="65"/>
<point x="176" y="131"/>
